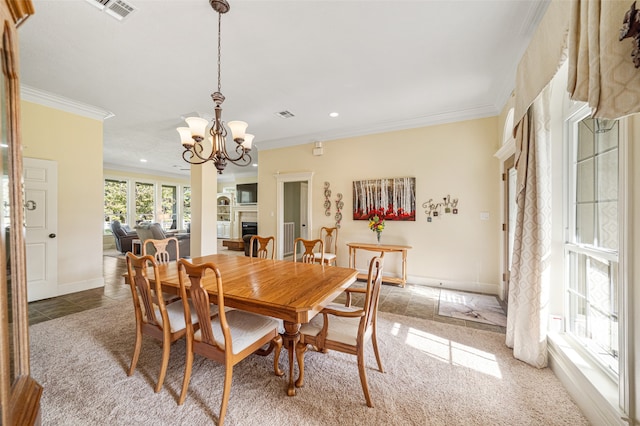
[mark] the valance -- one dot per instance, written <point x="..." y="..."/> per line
<point x="543" y="57"/>
<point x="601" y="70"/>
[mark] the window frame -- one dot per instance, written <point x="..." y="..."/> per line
<point x="581" y="111"/>
<point x="131" y="215"/>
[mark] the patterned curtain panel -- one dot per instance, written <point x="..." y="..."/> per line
<point x="601" y="69"/>
<point x="529" y="285"/>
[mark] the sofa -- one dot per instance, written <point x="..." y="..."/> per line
<point x="247" y="242"/>
<point x="154" y="231"/>
<point x="123" y="235"/>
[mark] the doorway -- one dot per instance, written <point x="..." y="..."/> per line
<point x="293" y="204"/>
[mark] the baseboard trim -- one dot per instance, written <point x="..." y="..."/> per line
<point x="80" y="286"/>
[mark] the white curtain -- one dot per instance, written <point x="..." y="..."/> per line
<point x="529" y="285"/>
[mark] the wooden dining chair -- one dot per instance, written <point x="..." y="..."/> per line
<point x="160" y="249"/>
<point x="227" y="338"/>
<point x="346" y="329"/>
<point x="329" y="237"/>
<point x="263" y="247"/>
<point x="310" y="248"/>
<point x="154" y="316"/>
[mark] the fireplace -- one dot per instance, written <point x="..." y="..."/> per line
<point x="249" y="228"/>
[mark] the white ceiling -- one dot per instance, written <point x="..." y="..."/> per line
<point x="383" y="65"/>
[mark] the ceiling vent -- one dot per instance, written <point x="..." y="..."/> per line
<point x="285" y="114"/>
<point x="117" y="9"/>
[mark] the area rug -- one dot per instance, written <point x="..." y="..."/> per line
<point x="472" y="307"/>
<point x="435" y="374"/>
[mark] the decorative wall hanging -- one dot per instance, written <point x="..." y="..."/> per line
<point x="339" y="206"/>
<point x="631" y="28"/>
<point x="389" y="199"/>
<point x="437" y="209"/>
<point x="327" y="199"/>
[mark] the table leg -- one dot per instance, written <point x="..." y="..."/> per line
<point x="291" y="338"/>
<point x="404" y="267"/>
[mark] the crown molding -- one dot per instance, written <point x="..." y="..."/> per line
<point x="476" y="112"/>
<point x="41" y="97"/>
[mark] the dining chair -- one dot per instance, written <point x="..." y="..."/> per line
<point x="227" y="338"/>
<point x="346" y="329"/>
<point x="310" y="248"/>
<point x="160" y="249"/>
<point x="329" y="237"/>
<point x="154" y="316"/>
<point x="263" y="247"/>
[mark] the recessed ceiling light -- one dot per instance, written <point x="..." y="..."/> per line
<point x="255" y="164"/>
<point x="333" y="114"/>
<point x="142" y="160"/>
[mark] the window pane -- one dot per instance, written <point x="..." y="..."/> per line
<point x="585" y="139"/>
<point x="607" y="171"/>
<point x="608" y="225"/>
<point x="585" y="224"/>
<point x="186" y="207"/>
<point x="169" y="219"/>
<point x="585" y="190"/>
<point x="115" y="202"/>
<point x="144" y="202"/>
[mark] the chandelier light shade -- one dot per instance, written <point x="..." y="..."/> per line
<point x="196" y="150"/>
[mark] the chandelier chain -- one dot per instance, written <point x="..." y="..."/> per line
<point x="219" y="48"/>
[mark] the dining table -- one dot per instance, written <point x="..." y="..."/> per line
<point x="291" y="291"/>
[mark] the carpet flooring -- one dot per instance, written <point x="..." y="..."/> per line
<point x="435" y="374"/>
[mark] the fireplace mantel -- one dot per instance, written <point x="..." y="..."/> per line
<point x="243" y="213"/>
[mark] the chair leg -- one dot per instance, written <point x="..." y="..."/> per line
<point x="166" y="348"/>
<point x="363" y="376"/>
<point x="301" y="348"/>
<point x="374" y="339"/>
<point x="276" y="356"/>
<point x="136" y="349"/>
<point x="187" y="371"/>
<point x="228" y="375"/>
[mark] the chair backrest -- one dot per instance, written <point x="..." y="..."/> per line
<point x="374" y="284"/>
<point x="200" y="301"/>
<point x="310" y="246"/>
<point x="144" y="294"/>
<point x="160" y="249"/>
<point x="263" y="247"/>
<point x="330" y="238"/>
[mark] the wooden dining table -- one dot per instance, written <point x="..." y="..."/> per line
<point x="293" y="292"/>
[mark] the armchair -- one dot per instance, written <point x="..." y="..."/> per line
<point x="123" y="235"/>
<point x="155" y="232"/>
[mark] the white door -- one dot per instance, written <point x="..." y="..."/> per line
<point x="41" y="220"/>
<point x="304" y="229"/>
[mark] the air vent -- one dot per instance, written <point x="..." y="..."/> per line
<point x="285" y="114"/>
<point x="117" y="9"/>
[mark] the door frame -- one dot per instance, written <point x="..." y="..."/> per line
<point x="281" y="179"/>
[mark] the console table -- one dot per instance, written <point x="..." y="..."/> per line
<point x="381" y="248"/>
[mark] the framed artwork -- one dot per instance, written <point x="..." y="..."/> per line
<point x="389" y="199"/>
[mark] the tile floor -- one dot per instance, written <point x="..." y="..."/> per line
<point x="413" y="300"/>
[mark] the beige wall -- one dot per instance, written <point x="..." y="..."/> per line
<point x="452" y="159"/>
<point x="75" y="143"/>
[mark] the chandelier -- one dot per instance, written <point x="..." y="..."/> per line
<point x="192" y="137"/>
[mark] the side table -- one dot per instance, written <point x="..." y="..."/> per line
<point x="381" y="248"/>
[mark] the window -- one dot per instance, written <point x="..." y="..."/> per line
<point x="592" y="243"/>
<point x="115" y="202"/>
<point x="145" y="201"/>
<point x="186" y="207"/>
<point x="169" y="219"/>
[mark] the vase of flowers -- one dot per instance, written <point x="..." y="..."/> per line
<point x="376" y="225"/>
